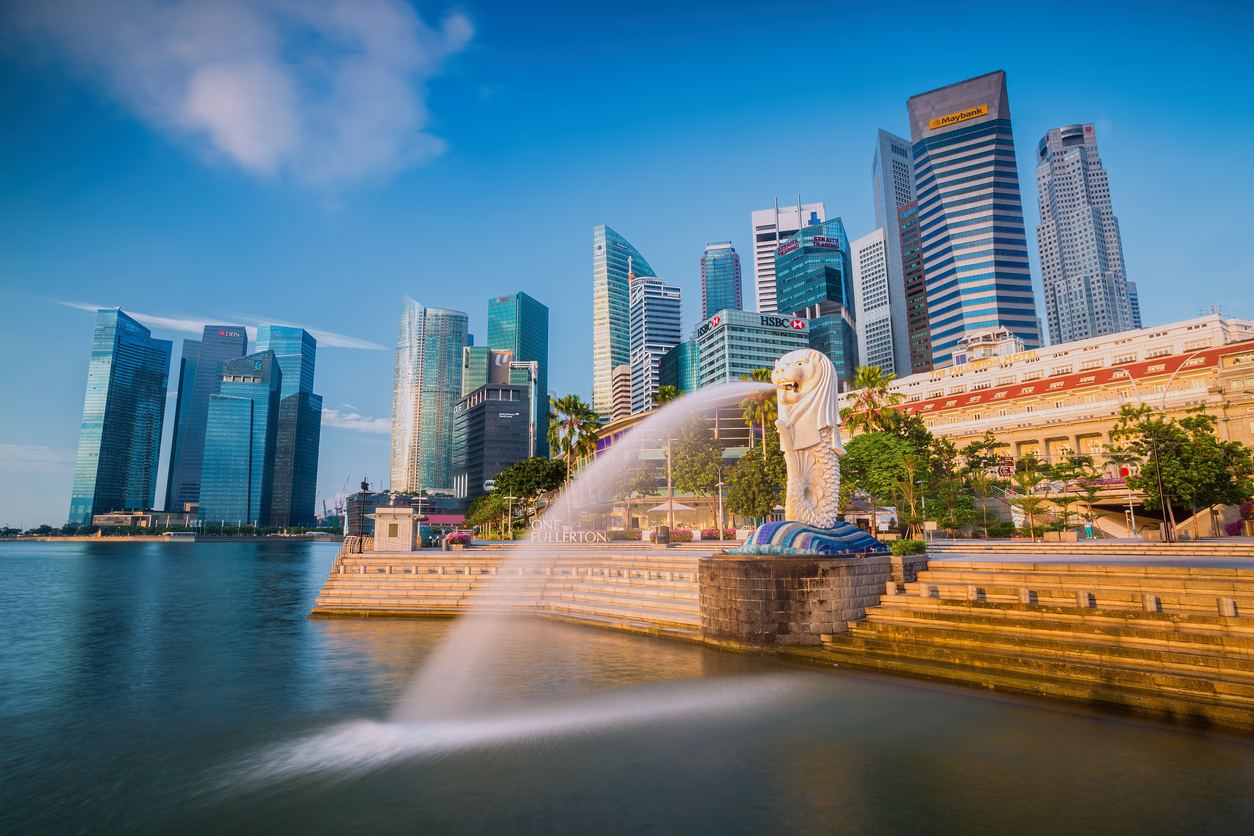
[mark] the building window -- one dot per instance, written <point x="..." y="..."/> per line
<point x="1057" y="404"/>
<point x="1001" y="413"/>
<point x="1057" y="384"/>
<point x="1161" y="351"/>
<point x="1060" y="370"/>
<point x="1030" y="409"/>
<point x="957" y="390"/>
<point x="1156" y="368"/>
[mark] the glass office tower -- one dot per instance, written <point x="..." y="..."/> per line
<point x="656" y="328"/>
<point x="613" y="259"/>
<point x="814" y="280"/>
<point x="300" y="425"/>
<point x="182" y="406"/>
<point x="241" y="437"/>
<point x="426" y="383"/>
<point x="892" y="180"/>
<point x="520" y="325"/>
<point x="681" y="367"/>
<point x="218" y="344"/>
<point x="975" y="250"/>
<point x="720" y="279"/>
<point x="120" y="437"/>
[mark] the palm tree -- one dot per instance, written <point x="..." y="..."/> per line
<point x="872" y="406"/>
<point x="760" y="406"/>
<point x="573" y="429"/>
<point x="664" y="395"/>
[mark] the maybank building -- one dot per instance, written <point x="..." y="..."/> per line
<point x="970" y="215"/>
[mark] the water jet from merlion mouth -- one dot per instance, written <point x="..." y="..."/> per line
<point x="446" y="685"/>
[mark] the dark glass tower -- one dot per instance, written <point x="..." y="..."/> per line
<point x="720" y="279"/>
<point x="120" y="438"/>
<point x="241" y="437"/>
<point x="520" y="325"/>
<point x="218" y="344"/>
<point x="300" y="425"/>
<point x="974" y="246"/>
<point x="814" y="280"/>
<point x="182" y="406"/>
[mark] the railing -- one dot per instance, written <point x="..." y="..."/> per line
<point x="589" y="572"/>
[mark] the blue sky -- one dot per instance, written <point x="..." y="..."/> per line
<point x="309" y="163"/>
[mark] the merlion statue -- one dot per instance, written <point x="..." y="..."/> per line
<point x="809" y="435"/>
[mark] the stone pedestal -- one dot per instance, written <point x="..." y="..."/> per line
<point x="772" y="601"/>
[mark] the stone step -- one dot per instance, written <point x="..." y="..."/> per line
<point x="383" y="598"/>
<point x="1233" y="691"/>
<point x="664" y="589"/>
<point x="646" y="598"/>
<point x="1194" y="706"/>
<point x="1199" y="633"/>
<point x="1071" y="647"/>
<point x="1173" y="580"/>
<point x="1201" y="601"/>
<point x="619" y="611"/>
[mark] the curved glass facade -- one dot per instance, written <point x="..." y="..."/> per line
<point x="720" y="279"/>
<point x="611" y="303"/>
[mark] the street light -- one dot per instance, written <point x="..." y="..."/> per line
<point x="720" y="503"/>
<point x="1169" y="535"/>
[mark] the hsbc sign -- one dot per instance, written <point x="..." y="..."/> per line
<point x="784" y="322"/>
<point x="714" y="322"/>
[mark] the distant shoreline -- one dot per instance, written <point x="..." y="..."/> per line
<point x="157" y="538"/>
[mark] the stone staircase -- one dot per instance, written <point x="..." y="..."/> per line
<point x="1173" y="640"/>
<point x="645" y="591"/>
<point x="1221" y="547"/>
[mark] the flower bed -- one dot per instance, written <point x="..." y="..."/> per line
<point x="712" y="534"/>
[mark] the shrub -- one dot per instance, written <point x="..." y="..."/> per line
<point x="1002" y="529"/>
<point x="1234" y="528"/>
<point x="459" y="540"/>
<point x="1247" y="510"/>
<point x="900" y="548"/>
<point x="681" y="535"/>
<point x="621" y="534"/>
<point x="712" y="534"/>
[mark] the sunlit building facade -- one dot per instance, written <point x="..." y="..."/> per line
<point x="720" y="279"/>
<point x="656" y="327"/>
<point x="771" y="227"/>
<point x="613" y="260"/>
<point x="426" y="384"/>
<point x="971" y="226"/>
<point x="734" y="343"/>
<point x="814" y="280"/>
<point x="892" y="180"/>
<point x="120" y="437"/>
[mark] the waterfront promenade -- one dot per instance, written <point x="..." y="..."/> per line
<point x="1165" y="629"/>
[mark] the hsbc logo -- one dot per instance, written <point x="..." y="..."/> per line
<point x="781" y="322"/>
<point x="798" y="324"/>
<point x="707" y="327"/>
<point x="715" y="321"/>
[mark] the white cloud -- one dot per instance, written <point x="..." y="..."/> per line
<point x="353" y="421"/>
<point x="14" y="457"/>
<point x="327" y="91"/>
<point x="196" y="325"/>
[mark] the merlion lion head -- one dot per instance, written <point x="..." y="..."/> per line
<point x="808" y="393"/>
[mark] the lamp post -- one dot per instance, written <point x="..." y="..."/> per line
<point x="509" y="514"/>
<point x="720" y="503"/>
<point x="670" y="487"/>
<point x="1168" y="535"/>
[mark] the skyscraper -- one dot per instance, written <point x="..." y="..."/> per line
<point x="520" y="325"/>
<point x="300" y="425"/>
<point x="892" y="179"/>
<point x="218" y="344"/>
<point x="656" y="327"/>
<point x="426" y="383"/>
<point x="814" y="280"/>
<point x="720" y="279"/>
<point x="918" y="334"/>
<point x="241" y="439"/>
<point x="621" y="392"/>
<point x="490" y="433"/>
<point x="681" y="367"/>
<point x="120" y="437"/>
<point x="182" y="406"/>
<point x="613" y="259"/>
<point x="770" y="227"/>
<point x="970" y="214"/>
<point x="877" y="334"/>
<point x="1087" y="293"/>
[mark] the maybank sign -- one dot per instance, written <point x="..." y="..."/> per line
<point x="984" y="363"/>
<point x="961" y="116"/>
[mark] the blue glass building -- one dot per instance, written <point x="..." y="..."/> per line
<point x="681" y="367"/>
<point x="974" y="246"/>
<point x="300" y="425"/>
<point x="613" y="260"/>
<point x="218" y="344"/>
<point x="814" y="280"/>
<point x="520" y="325"/>
<point x="120" y="437"/>
<point x="241" y="438"/>
<point x="182" y="408"/>
<point x="720" y="279"/>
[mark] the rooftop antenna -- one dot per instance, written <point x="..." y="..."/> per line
<point x="800" y="223"/>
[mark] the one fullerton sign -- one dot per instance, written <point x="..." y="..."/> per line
<point x="549" y="531"/>
<point x="960" y="116"/>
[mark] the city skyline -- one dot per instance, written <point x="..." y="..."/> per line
<point x="286" y="236"/>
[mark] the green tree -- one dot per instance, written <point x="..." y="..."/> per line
<point x="696" y="458"/>
<point x="528" y="479"/>
<point x="762" y="407"/>
<point x="1068" y="471"/>
<point x="573" y="429"/>
<point x="1159" y="443"/>
<point x="873" y="402"/>
<point x="910" y="491"/>
<point x="951" y="507"/>
<point x="1090" y="492"/>
<point x="1219" y="472"/>
<point x="637" y="477"/>
<point x="665" y="394"/>
<point x="751" y="491"/>
<point x="1028" y="473"/>
<point x="873" y="462"/>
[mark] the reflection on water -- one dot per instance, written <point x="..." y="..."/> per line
<point x="176" y="688"/>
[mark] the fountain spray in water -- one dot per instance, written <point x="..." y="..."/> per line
<point x="447" y="685"/>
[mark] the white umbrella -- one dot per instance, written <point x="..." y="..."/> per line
<point x="666" y="506"/>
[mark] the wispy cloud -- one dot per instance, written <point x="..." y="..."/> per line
<point x="196" y="325"/>
<point x="353" y="421"/>
<point x="327" y="91"/>
<point x="16" y="457"/>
